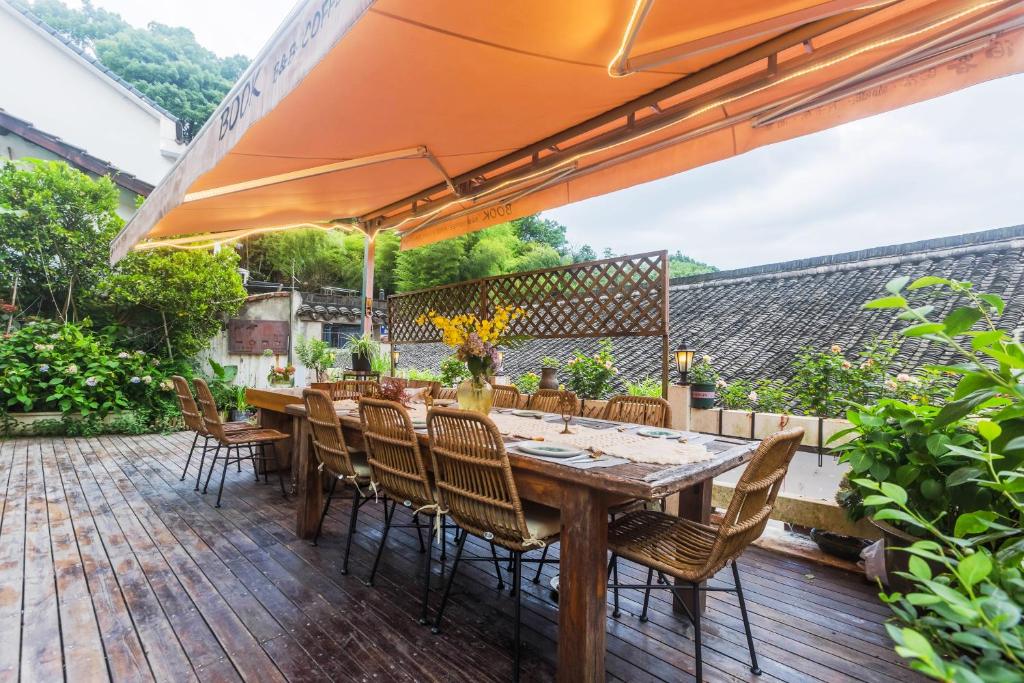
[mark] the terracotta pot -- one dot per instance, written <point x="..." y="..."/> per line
<point x="702" y="396"/>
<point x="549" y="378"/>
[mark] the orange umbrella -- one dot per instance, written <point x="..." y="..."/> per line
<point x="436" y="118"/>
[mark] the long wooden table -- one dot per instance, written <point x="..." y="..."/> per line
<point x="582" y="496"/>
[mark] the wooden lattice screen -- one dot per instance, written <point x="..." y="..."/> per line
<point x="625" y="296"/>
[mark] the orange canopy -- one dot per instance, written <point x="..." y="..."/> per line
<point x="439" y="117"/>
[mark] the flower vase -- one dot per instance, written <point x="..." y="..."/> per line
<point x="475" y="395"/>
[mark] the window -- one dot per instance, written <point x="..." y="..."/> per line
<point x="337" y="335"/>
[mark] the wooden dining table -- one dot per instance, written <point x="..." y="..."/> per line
<point x="583" y="496"/>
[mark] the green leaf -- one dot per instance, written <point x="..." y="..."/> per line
<point x="898" y="515"/>
<point x="995" y="301"/>
<point x="974" y="568"/>
<point x="987" y="338"/>
<point x="962" y="476"/>
<point x="897" y="493"/>
<point x="928" y="281"/>
<point x="922" y="329"/>
<point x="887" y="302"/>
<point x="989" y="430"/>
<point x="954" y="410"/>
<point x="919" y="567"/>
<point x="875" y="500"/>
<point x="896" y="285"/>
<point x="973" y="523"/>
<point x="961" y="319"/>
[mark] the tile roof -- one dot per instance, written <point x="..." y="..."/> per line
<point x="753" y="320"/>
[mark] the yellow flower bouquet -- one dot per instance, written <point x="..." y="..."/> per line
<point x="475" y="339"/>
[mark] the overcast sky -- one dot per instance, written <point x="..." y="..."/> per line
<point x="943" y="167"/>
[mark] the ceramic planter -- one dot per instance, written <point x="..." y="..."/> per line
<point x="549" y="378"/>
<point x="361" y="362"/>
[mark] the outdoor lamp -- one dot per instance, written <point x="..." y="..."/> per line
<point x="684" y="360"/>
<point x="394" y="357"/>
<point x="501" y="360"/>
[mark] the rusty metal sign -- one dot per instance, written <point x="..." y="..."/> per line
<point x="256" y="336"/>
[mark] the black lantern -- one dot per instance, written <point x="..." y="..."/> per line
<point x="684" y="361"/>
<point x="394" y="357"/>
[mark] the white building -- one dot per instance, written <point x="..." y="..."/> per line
<point x="58" y="102"/>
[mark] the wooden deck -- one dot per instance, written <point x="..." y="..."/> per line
<point x="110" y="567"/>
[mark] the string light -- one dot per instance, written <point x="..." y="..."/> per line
<point x="817" y="66"/>
<point x="208" y="241"/>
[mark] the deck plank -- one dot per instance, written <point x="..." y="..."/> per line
<point x="132" y="575"/>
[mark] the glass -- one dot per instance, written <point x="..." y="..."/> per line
<point x="475" y="396"/>
<point x="566" y="406"/>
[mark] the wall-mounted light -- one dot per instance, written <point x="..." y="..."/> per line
<point x="684" y="360"/>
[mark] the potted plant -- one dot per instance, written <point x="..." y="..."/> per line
<point x="362" y="350"/>
<point x="549" y="372"/>
<point x="317" y="355"/>
<point x="705" y="380"/>
<point x="241" y="411"/>
<point x="476" y="344"/>
<point x="592" y="378"/>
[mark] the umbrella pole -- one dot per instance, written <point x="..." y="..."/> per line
<point x="369" y="247"/>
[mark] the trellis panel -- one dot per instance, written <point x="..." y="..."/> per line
<point x="616" y="297"/>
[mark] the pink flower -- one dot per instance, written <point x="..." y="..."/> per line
<point x="836" y="348"/>
<point x="847" y="365"/>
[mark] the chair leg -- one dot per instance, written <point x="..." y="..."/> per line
<point x="277" y="466"/>
<point x="202" y="460"/>
<point x="647" y="594"/>
<point x="351" y="530"/>
<point x="189" y="459"/>
<point x="497" y="568"/>
<point x="223" y="475"/>
<point x="383" y="541"/>
<point x="540" y="565"/>
<point x="697" y="652"/>
<point x="419" y="532"/>
<point x="216" y="454"/>
<point x="426" y="583"/>
<point x="746" y="621"/>
<point x="444" y="541"/>
<point x="517" y="576"/>
<point x="448" y="586"/>
<point x="613" y="569"/>
<point x="255" y="467"/>
<point x="327" y="504"/>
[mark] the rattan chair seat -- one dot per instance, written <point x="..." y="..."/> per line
<point x="254" y="436"/>
<point x="678" y="547"/>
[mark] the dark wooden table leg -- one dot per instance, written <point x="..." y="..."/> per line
<point x="695" y="504"/>
<point x="309" y="491"/>
<point x="582" y="585"/>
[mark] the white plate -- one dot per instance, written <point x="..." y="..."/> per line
<point x="549" y="450"/>
<point x="419" y="424"/>
<point x="528" y="413"/>
<point x="659" y="433"/>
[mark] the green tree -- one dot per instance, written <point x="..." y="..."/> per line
<point x="434" y="264"/>
<point x="164" y="62"/>
<point x="179" y="298"/>
<point x="681" y="266"/>
<point x="54" y="233"/>
<point x="541" y="230"/>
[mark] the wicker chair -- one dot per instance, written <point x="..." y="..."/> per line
<point x="546" y="400"/>
<point x="476" y="488"/>
<point x="643" y="410"/>
<point x="250" y="439"/>
<point x="355" y="389"/>
<point x="400" y="474"/>
<point x="506" y="396"/>
<point x="336" y="460"/>
<point x="329" y="388"/>
<point x="433" y="387"/>
<point x="447" y="393"/>
<point x="695" y="552"/>
<point x="194" y="421"/>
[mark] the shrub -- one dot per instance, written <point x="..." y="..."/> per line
<point x="317" y="355"/>
<point x="764" y="395"/>
<point x="528" y="382"/>
<point x="591" y="376"/>
<point x="424" y="375"/>
<point x="962" y="620"/>
<point x="648" y="386"/>
<point x="703" y="372"/>
<point x="453" y="371"/>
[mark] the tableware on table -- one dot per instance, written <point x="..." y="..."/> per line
<point x="528" y="413"/>
<point x="566" y="407"/>
<point x="659" y="433"/>
<point x="550" y="450"/>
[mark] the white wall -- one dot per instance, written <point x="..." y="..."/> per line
<point x="45" y="83"/>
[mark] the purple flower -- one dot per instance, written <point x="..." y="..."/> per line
<point x="91" y="382"/>
<point x="135" y="380"/>
<point x="44" y="368"/>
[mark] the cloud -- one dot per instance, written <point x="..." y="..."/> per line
<point x="947" y="166"/>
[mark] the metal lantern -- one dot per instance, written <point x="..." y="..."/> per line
<point x="684" y="361"/>
<point x="394" y="357"/>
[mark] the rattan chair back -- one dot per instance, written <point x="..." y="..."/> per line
<point x="753" y="498"/>
<point x="355" y="389"/>
<point x="393" y="452"/>
<point x="547" y="400"/>
<point x="208" y="406"/>
<point x="506" y="396"/>
<point x="643" y="410"/>
<point x="189" y="410"/>
<point x="329" y="445"/>
<point x="447" y="393"/>
<point x="433" y="388"/>
<point x="329" y="388"/>
<point x="474" y="478"/>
